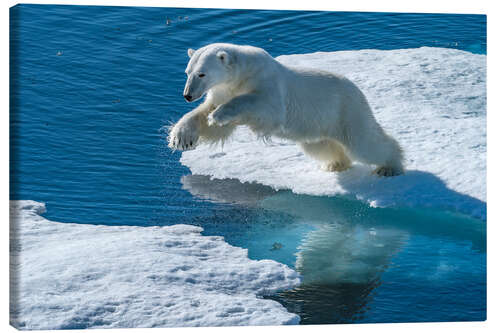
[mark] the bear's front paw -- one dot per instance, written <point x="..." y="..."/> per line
<point x="184" y="135"/>
<point x="221" y="116"/>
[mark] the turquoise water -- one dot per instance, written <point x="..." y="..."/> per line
<point x="93" y="87"/>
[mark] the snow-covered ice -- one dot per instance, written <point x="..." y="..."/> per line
<point x="67" y="275"/>
<point x="432" y="100"/>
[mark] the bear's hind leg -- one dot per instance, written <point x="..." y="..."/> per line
<point x="330" y="153"/>
<point x="379" y="149"/>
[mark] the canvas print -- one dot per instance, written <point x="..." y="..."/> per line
<point x="179" y="167"/>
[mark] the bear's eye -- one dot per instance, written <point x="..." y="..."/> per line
<point x="201" y="75"/>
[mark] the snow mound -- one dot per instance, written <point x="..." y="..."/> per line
<point x="432" y="100"/>
<point x="74" y="276"/>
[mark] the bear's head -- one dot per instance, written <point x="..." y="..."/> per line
<point x="207" y="67"/>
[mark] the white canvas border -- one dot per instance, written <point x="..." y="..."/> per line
<point x="421" y="6"/>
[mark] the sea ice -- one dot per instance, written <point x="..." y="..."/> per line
<point x="70" y="276"/>
<point x="433" y="100"/>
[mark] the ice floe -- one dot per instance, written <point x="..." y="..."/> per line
<point x="432" y="100"/>
<point x="71" y="276"/>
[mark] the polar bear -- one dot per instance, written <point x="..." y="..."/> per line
<point x="325" y="113"/>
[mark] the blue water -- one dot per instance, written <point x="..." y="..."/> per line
<point x="93" y="87"/>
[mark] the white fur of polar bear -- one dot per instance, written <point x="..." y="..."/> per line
<point x="325" y="113"/>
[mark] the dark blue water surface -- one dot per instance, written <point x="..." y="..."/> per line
<point x="93" y="87"/>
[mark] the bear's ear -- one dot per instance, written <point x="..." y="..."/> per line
<point x="190" y="52"/>
<point x="224" y="57"/>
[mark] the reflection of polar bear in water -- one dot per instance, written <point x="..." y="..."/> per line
<point x="325" y="113"/>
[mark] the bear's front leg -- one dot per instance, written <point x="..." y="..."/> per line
<point x="185" y="133"/>
<point x="236" y="111"/>
<point x="223" y="115"/>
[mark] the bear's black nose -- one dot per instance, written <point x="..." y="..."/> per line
<point x="188" y="98"/>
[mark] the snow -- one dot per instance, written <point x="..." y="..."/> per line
<point x="432" y="100"/>
<point x="68" y="275"/>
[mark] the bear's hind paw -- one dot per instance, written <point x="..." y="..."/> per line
<point x="386" y="171"/>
